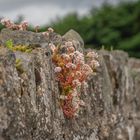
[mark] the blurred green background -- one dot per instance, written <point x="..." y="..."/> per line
<point x="109" y="26"/>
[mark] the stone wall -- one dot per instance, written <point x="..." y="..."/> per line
<point x="29" y="101"/>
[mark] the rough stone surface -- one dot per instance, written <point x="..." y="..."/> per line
<point x="29" y="104"/>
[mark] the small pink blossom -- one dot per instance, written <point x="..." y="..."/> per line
<point x="79" y="54"/>
<point x="24" y="23"/>
<point x="76" y="102"/>
<point x="71" y="55"/>
<point x="78" y="73"/>
<point x="51" y="30"/>
<point x="68" y="65"/>
<point x="45" y="34"/>
<point x="23" y="26"/>
<point x="63" y="97"/>
<point x="71" y="65"/>
<point x="87" y="69"/>
<point x="94" y="64"/>
<point x="78" y="58"/>
<point x="3" y="21"/>
<point x="76" y="82"/>
<point x="74" y="93"/>
<point x="92" y="55"/>
<point x="71" y="49"/>
<point x="57" y="69"/>
<point x="66" y="56"/>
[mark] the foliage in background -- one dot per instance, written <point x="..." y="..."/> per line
<point x="117" y="26"/>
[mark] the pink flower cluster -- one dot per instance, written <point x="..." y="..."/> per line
<point x="92" y="59"/>
<point x="72" y="72"/>
<point x="11" y="25"/>
<point x="22" y="26"/>
<point x="46" y="33"/>
<point x="57" y="69"/>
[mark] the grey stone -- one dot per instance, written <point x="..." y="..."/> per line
<point x="29" y="100"/>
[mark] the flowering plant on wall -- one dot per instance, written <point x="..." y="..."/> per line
<point x="23" y="26"/>
<point x="72" y="68"/>
<point x="11" y="25"/>
<point x="72" y="72"/>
